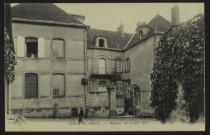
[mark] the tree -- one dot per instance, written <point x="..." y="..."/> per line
<point x="9" y="52"/>
<point x="179" y="60"/>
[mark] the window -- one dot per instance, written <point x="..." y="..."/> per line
<point x="90" y="86"/>
<point x="58" y="48"/>
<point x="31" y="47"/>
<point x="127" y="65"/>
<point x="119" y="88"/>
<point x="58" y="85"/>
<point x="102" y="66"/>
<point x="102" y="86"/>
<point x="140" y="34"/>
<point x="31" y="85"/>
<point x="101" y="43"/>
<point x="118" y="65"/>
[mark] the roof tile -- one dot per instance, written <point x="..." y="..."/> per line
<point x="42" y="11"/>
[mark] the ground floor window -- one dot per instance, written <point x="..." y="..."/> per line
<point x="58" y="85"/>
<point x="31" y="85"/>
<point x="119" y="87"/>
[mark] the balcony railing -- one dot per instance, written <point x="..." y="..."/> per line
<point x="104" y="70"/>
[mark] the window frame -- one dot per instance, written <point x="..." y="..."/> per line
<point x="64" y="47"/>
<point x="37" y="83"/>
<point x="97" y="40"/>
<point x="64" y="84"/>
<point x="127" y="65"/>
<point x="101" y="39"/>
<point x="102" y="67"/>
<point x="121" y="88"/>
<point x="26" y="46"/>
<point x="119" y="65"/>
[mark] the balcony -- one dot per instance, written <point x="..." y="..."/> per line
<point x="103" y="72"/>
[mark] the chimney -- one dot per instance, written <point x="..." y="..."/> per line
<point x="120" y="30"/>
<point x="175" y="15"/>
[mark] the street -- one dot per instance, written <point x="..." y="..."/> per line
<point x="102" y="124"/>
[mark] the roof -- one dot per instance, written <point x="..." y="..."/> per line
<point x="42" y="11"/>
<point x="114" y="39"/>
<point x="157" y="24"/>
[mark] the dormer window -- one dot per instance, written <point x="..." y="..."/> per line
<point x="140" y="34"/>
<point x="101" y="42"/>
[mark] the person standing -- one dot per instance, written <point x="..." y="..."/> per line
<point x="81" y="115"/>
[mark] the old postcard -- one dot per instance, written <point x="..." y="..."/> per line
<point x="104" y="67"/>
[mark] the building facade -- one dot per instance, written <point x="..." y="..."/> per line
<point x="63" y="65"/>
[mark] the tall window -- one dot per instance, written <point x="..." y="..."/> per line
<point x="102" y="66"/>
<point x="31" y="47"/>
<point x="119" y="65"/>
<point x="119" y="87"/>
<point x="90" y="86"/>
<point x="31" y="85"/>
<point x="58" y="85"/>
<point x="58" y="48"/>
<point x="127" y="65"/>
<point x="101" y="43"/>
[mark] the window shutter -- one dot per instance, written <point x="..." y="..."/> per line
<point x="20" y="46"/>
<point x="41" y="47"/>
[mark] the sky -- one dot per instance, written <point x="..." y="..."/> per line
<point x="108" y="16"/>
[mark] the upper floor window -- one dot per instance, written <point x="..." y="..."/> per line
<point x="31" y="47"/>
<point x="58" y="48"/>
<point x="58" y="85"/>
<point x="127" y="65"/>
<point x="31" y="85"/>
<point x="119" y="65"/>
<point x="102" y="66"/>
<point x="101" y="42"/>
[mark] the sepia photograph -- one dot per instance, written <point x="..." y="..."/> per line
<point x="97" y="67"/>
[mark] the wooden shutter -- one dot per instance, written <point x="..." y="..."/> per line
<point x="20" y="46"/>
<point x="41" y="47"/>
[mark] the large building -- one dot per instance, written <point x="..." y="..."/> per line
<point x="63" y="63"/>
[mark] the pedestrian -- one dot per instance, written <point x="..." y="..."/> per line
<point x="81" y="114"/>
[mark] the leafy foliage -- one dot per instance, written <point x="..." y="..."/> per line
<point x="179" y="59"/>
<point x="9" y="58"/>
